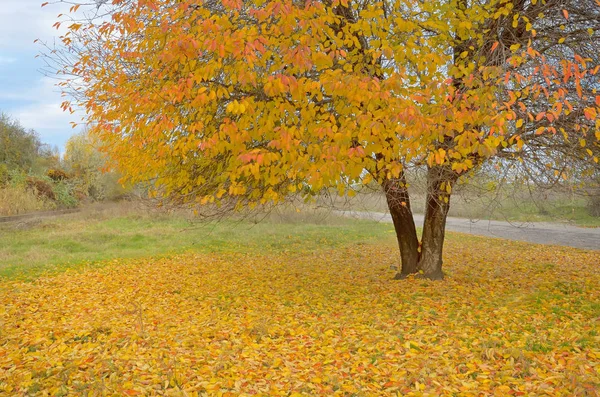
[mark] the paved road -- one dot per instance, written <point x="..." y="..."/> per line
<point x="533" y="232"/>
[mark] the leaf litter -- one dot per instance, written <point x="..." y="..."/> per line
<point x="510" y="319"/>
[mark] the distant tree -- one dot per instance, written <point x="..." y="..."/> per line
<point x="87" y="167"/>
<point x="251" y="101"/>
<point x="19" y="148"/>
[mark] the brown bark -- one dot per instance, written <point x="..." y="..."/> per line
<point x="398" y="202"/>
<point x="434" y="225"/>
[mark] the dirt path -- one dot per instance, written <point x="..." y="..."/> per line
<point x="533" y="232"/>
<point x="37" y="214"/>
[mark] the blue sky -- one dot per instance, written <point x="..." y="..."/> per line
<point x="25" y="93"/>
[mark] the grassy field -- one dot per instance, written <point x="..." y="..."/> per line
<point x="114" y="302"/>
<point x="105" y="232"/>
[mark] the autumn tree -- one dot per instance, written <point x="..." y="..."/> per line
<point x="22" y="151"/>
<point x="253" y="101"/>
<point x="19" y="148"/>
<point x="87" y="167"/>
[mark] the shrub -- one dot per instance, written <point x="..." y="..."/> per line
<point x="57" y="175"/>
<point x="40" y="187"/>
<point x="17" y="178"/>
<point x="65" y="195"/>
<point x="4" y="177"/>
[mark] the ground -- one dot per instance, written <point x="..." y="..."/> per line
<point x="296" y="318"/>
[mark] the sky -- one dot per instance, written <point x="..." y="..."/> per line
<point x="25" y="93"/>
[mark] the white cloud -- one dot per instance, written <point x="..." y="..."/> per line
<point x="25" y="94"/>
<point x="40" y="110"/>
<point x="49" y="121"/>
<point x="46" y="116"/>
<point x="23" y="21"/>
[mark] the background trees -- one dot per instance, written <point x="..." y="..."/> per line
<point x="249" y="102"/>
<point x="89" y="170"/>
<point x="24" y="160"/>
<point x="34" y="176"/>
<point x="20" y="148"/>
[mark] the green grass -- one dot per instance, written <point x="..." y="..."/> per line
<point x="82" y="240"/>
<point x="558" y="210"/>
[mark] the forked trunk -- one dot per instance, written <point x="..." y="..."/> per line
<point x="424" y="258"/>
<point x="398" y="200"/>
<point x="439" y="184"/>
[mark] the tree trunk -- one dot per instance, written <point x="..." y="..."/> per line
<point x="440" y="180"/>
<point x="398" y="202"/>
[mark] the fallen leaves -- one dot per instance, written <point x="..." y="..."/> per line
<point x="511" y="319"/>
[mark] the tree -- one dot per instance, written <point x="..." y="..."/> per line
<point x="19" y="148"/>
<point x="87" y="167"/>
<point x="253" y="101"/>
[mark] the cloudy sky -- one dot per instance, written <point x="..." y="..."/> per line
<point x="25" y="93"/>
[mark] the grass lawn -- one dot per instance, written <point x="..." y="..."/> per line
<point x="110" y="232"/>
<point x="289" y="309"/>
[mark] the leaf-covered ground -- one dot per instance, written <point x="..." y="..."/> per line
<point x="511" y="319"/>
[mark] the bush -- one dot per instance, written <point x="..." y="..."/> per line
<point x="65" y="195"/>
<point x="40" y="187"/>
<point x="57" y="175"/>
<point x="17" y="178"/>
<point x="4" y="177"/>
<point x="16" y="200"/>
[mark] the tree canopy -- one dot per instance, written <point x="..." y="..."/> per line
<point x="252" y="101"/>
<point x="19" y="148"/>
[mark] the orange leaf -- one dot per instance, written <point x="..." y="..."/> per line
<point x="590" y="113"/>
